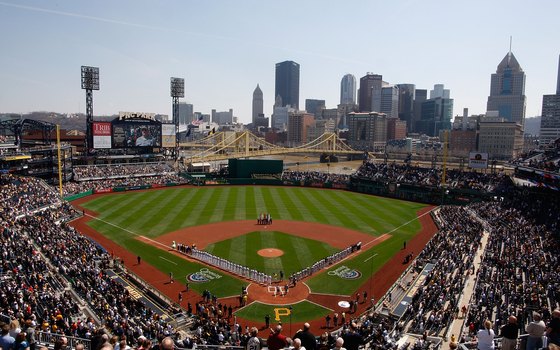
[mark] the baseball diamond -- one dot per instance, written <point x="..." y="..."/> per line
<point x="309" y="226"/>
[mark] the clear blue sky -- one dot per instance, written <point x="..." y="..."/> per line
<point x="224" y="48"/>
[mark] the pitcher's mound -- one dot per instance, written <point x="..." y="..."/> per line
<point x="270" y="252"/>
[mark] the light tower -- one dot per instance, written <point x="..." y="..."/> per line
<point x="177" y="90"/>
<point x="90" y="82"/>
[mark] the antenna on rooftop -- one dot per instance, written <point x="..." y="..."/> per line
<point x="510" y="44"/>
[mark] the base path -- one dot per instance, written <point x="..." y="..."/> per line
<point x="204" y="235"/>
<point x="339" y="237"/>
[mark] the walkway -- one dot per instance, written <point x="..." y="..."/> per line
<point x="457" y="326"/>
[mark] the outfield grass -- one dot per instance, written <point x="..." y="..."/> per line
<point x="298" y="252"/>
<point x="123" y="216"/>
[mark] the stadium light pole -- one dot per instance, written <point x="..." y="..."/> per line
<point x="177" y="90"/>
<point x="90" y="82"/>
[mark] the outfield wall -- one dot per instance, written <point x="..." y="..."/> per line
<point x="431" y="195"/>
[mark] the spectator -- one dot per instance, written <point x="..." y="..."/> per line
<point x="485" y="337"/>
<point x="535" y="329"/>
<point x="276" y="340"/>
<point x="509" y="333"/>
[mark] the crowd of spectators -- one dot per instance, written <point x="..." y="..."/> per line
<point x="451" y="251"/>
<point x="548" y="160"/>
<point x="41" y="256"/>
<point x="21" y="195"/>
<point x="72" y="187"/>
<point x="116" y="171"/>
<point x="519" y="273"/>
<point x="315" y="177"/>
<point x="431" y="177"/>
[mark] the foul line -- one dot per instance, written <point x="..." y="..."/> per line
<point x="161" y="257"/>
<point x="127" y="230"/>
<point x="398" y="227"/>
<point x="370" y="257"/>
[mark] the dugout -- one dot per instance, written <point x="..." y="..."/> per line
<point x="255" y="168"/>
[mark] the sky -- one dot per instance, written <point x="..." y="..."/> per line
<point x="224" y="48"/>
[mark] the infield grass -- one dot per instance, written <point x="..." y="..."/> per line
<point x="298" y="252"/>
<point x="301" y="312"/>
<point x="124" y="216"/>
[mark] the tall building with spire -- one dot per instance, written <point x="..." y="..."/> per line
<point x="348" y="90"/>
<point x="258" y="105"/>
<point x="550" y="116"/>
<point x="507" y="90"/>
<point x="287" y="84"/>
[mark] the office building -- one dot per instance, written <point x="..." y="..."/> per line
<point x="390" y="101"/>
<point x="222" y="118"/>
<point x="507" y="90"/>
<point x="370" y="92"/>
<point x="314" y="107"/>
<point x="436" y="113"/>
<point x="406" y="104"/>
<point x="186" y="113"/>
<point x="367" y="131"/>
<point x="280" y="118"/>
<point x="298" y="124"/>
<point x="396" y="129"/>
<point x="287" y="84"/>
<point x="550" y="118"/>
<point x="348" y="89"/>
<point x="258" y="105"/>
<point x="420" y="96"/>
<point x="499" y="138"/>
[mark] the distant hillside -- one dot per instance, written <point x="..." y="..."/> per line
<point x="533" y="126"/>
<point x="66" y="121"/>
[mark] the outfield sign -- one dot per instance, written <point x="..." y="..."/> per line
<point x="101" y="135"/>
<point x="478" y="160"/>
<point x="345" y="273"/>
<point x="203" y="276"/>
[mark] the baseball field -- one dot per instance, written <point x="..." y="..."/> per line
<point x="308" y="225"/>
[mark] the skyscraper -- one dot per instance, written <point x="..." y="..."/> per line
<point x="314" y="107"/>
<point x="370" y="85"/>
<point x="436" y="112"/>
<point x="507" y="90"/>
<point x="390" y="101"/>
<point x="257" y="104"/>
<point x="348" y="90"/>
<point x="407" y="94"/>
<point x="287" y="83"/>
<point x="550" y="117"/>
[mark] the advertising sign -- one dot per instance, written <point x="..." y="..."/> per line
<point x="101" y="135"/>
<point x="168" y="135"/>
<point x="478" y="160"/>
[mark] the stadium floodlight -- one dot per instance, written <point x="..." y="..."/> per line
<point x="177" y="87"/>
<point x="90" y="78"/>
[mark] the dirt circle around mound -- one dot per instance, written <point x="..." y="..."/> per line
<point x="270" y="252"/>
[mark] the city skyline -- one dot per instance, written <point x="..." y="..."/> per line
<point x="139" y="45"/>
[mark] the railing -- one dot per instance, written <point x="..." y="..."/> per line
<point x="51" y="338"/>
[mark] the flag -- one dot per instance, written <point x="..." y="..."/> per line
<point x="198" y="121"/>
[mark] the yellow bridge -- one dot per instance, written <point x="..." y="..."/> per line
<point x="225" y="145"/>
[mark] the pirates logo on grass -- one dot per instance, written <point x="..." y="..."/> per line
<point x="202" y="276"/>
<point x="346" y="273"/>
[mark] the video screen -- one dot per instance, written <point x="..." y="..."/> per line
<point x="128" y="135"/>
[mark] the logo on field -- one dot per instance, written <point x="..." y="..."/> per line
<point x="202" y="276"/>
<point x="346" y="273"/>
<point x="281" y="311"/>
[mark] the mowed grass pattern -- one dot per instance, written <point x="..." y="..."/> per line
<point x="153" y="213"/>
<point x="123" y="216"/>
<point x="298" y="252"/>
